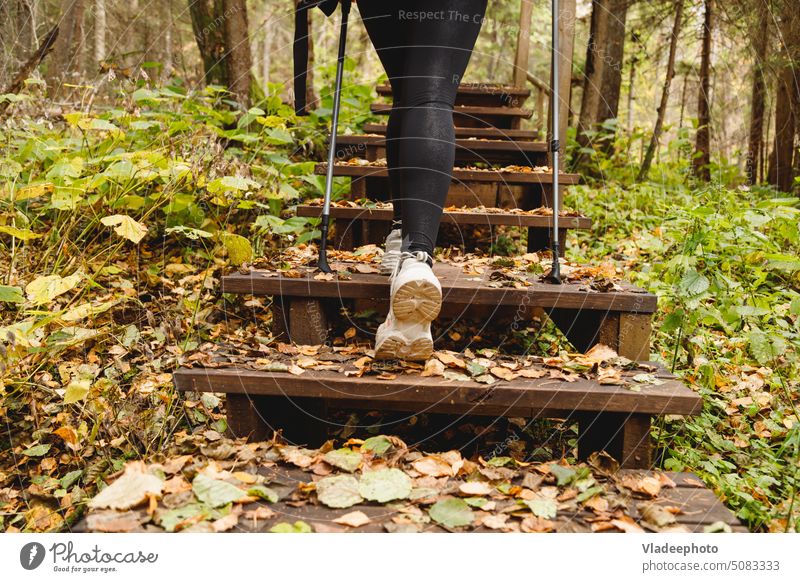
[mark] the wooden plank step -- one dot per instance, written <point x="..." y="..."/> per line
<point x="558" y="397"/>
<point x="698" y="504"/>
<point x="610" y="417"/>
<point x="491" y="133"/>
<point x="467" y="111"/>
<point x="465" y="217"/>
<point x="459" y="174"/>
<point x="457" y="288"/>
<point x="468" y="150"/>
<point x="475" y="116"/>
<point x="480" y="94"/>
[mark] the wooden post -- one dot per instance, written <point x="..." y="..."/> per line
<point x="626" y="333"/>
<point x="523" y="43"/>
<point x="624" y="436"/>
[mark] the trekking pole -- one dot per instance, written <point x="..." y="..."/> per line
<point x="337" y="99"/>
<point x="555" y="271"/>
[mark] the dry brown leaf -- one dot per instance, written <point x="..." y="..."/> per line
<point x="642" y="484"/>
<point x="627" y="525"/>
<point x="600" y="353"/>
<point x="503" y="373"/>
<point x="229" y="521"/>
<point x="475" y="488"/>
<point x="129" y="490"/>
<point x="494" y="521"/>
<point x="533" y="524"/>
<point x="353" y="519"/>
<point x="433" y="367"/>
<point x="433" y="466"/>
<point x="115" y="521"/>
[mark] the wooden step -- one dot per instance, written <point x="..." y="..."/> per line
<point x="458" y="288"/>
<point x="696" y="506"/>
<point x="356" y="225"/>
<point x="480" y="94"/>
<point x="456" y="217"/>
<point x="459" y="174"/>
<point x="491" y="133"/>
<point x="613" y="418"/>
<point x="618" y="316"/>
<point x="500" y="188"/>
<point x="468" y="151"/>
<point x="472" y="116"/>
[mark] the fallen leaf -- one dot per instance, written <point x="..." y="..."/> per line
<point x="214" y="492"/>
<point x="353" y="519"/>
<point x="339" y="492"/>
<point x="655" y="514"/>
<point x="115" y="521"/>
<point x="384" y="485"/>
<point x="132" y="488"/>
<point x="476" y="488"/>
<point x="433" y="466"/>
<point x="451" y="512"/>
<point x="345" y="459"/>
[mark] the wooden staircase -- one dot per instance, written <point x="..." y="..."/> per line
<point x="500" y="181"/>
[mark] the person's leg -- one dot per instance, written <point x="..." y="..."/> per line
<point x="442" y="36"/>
<point x="389" y="37"/>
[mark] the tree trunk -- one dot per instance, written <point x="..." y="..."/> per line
<point x="238" y="60"/>
<point x="758" y="98"/>
<point x="781" y="172"/>
<point x="69" y="44"/>
<point x="662" y="108"/>
<point x="702" y="159"/>
<point x="99" y="31"/>
<point x="25" y="33"/>
<point x="169" y="58"/>
<point x="787" y="102"/>
<point x="603" y="71"/>
<point x="266" y="50"/>
<point x="207" y="24"/>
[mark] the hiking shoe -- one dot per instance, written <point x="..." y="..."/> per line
<point x="391" y="252"/>
<point x="416" y="299"/>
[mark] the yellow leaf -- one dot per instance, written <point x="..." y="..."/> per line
<point x="34" y="191"/>
<point x="238" y="247"/>
<point x="21" y="234"/>
<point x="77" y="391"/>
<point x="44" y="289"/>
<point x="126" y="227"/>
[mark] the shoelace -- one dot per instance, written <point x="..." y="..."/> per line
<point x="420" y="256"/>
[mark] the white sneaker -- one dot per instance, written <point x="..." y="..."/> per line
<point x="391" y="252"/>
<point x="416" y="299"/>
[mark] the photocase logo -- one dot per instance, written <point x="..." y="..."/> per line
<point x="31" y="555"/>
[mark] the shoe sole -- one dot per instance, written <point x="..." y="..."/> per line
<point x="418" y="301"/>
<point x="396" y="348"/>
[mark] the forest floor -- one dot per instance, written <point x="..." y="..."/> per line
<point x="116" y="225"/>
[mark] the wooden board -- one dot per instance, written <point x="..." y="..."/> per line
<point x="460" y="175"/>
<point x="468" y="151"/>
<point x="468" y="111"/>
<point x="700" y="508"/>
<point x="415" y="391"/>
<point x="490" y="89"/>
<point x="457" y="288"/>
<point x="481" y="145"/>
<point x="454" y="217"/>
<point x="476" y="132"/>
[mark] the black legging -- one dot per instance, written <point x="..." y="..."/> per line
<point x="425" y="46"/>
